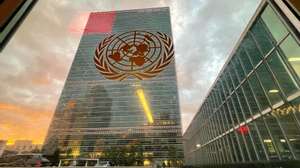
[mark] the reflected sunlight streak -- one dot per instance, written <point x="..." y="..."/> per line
<point x="145" y="105"/>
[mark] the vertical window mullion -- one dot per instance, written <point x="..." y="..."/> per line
<point x="235" y="111"/>
<point x="269" y="132"/>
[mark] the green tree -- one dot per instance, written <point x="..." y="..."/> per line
<point x="139" y="157"/>
<point x="54" y="159"/>
<point x="173" y="155"/>
<point x="125" y="156"/>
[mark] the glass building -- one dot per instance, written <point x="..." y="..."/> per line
<point x="251" y="114"/>
<point x="97" y="117"/>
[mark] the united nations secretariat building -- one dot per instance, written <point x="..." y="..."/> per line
<point x="120" y="97"/>
<point x="251" y="115"/>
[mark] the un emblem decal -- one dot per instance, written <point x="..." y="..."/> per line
<point x="139" y="54"/>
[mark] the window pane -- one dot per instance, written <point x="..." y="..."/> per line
<point x="236" y="146"/>
<point x="278" y="137"/>
<point x="245" y="60"/>
<point x="252" y="50"/>
<point x="249" y="143"/>
<point x="259" y="93"/>
<point x="219" y="121"/>
<point x="250" y="98"/>
<point x="227" y="115"/>
<point x="288" y="122"/>
<point x="216" y="97"/>
<point x="269" y="85"/>
<point x="291" y="50"/>
<point x="261" y="36"/>
<point x="229" y="81"/>
<point x="232" y="149"/>
<point x="257" y="140"/>
<point x="238" y="109"/>
<point x="239" y="69"/>
<point x="282" y="74"/>
<point x="232" y="112"/>
<point x="220" y="91"/>
<point x="226" y="150"/>
<point x="224" y="118"/>
<point x="269" y="144"/>
<point x="274" y="24"/>
<point x="225" y="86"/>
<point x="212" y="101"/>
<point x="243" y="103"/>
<point x="243" y="145"/>
<point x="233" y="75"/>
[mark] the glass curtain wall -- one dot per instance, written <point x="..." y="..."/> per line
<point x="253" y="111"/>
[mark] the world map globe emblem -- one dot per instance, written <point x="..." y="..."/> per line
<point x="139" y="54"/>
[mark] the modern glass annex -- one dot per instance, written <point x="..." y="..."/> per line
<point x="101" y="118"/>
<point x="252" y="112"/>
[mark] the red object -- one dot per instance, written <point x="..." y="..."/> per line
<point x="38" y="163"/>
<point x="243" y="129"/>
<point x="139" y="61"/>
<point x="100" y="22"/>
<point x="116" y="56"/>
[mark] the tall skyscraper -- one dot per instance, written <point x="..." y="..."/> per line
<point x="121" y="91"/>
<point x="251" y="114"/>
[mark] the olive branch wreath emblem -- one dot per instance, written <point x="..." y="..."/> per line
<point x="158" y="66"/>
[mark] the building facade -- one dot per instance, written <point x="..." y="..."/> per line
<point x="24" y="146"/>
<point x="251" y="113"/>
<point x="98" y="117"/>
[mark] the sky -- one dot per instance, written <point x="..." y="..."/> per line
<point x="36" y="61"/>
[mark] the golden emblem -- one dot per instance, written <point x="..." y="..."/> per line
<point x="136" y="53"/>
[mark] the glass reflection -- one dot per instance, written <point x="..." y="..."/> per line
<point x="238" y="67"/>
<point x="267" y="139"/>
<point x="252" y="50"/>
<point x="250" y="98"/>
<point x="245" y="61"/>
<point x="244" y="105"/>
<point x="286" y="116"/>
<point x="257" y="140"/>
<point x="282" y="74"/>
<point x="262" y="37"/>
<point x="278" y="137"/>
<point x="274" y="24"/>
<point x="259" y="93"/>
<point x="291" y="50"/>
<point x="268" y="84"/>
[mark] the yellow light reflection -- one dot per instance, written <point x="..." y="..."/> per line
<point x="10" y="142"/>
<point x="273" y="91"/>
<point x="75" y="152"/>
<point x="147" y="162"/>
<point x="145" y="105"/>
<point x="292" y="59"/>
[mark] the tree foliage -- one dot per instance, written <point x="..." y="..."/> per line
<point x="124" y="156"/>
